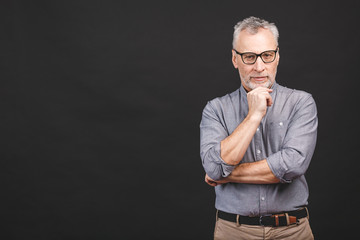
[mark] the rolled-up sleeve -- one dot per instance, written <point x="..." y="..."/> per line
<point x="298" y="146"/>
<point x="212" y="132"/>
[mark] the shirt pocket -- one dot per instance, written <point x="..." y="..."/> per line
<point x="276" y="132"/>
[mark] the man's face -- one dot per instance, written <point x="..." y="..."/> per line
<point x="260" y="73"/>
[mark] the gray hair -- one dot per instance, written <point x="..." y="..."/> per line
<point x="252" y="25"/>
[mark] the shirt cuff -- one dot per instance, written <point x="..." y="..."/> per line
<point x="278" y="167"/>
<point x="226" y="169"/>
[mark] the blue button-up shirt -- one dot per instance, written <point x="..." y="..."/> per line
<point x="286" y="138"/>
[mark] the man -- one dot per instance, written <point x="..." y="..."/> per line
<point x="256" y="144"/>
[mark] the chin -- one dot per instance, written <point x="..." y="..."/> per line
<point x="252" y="85"/>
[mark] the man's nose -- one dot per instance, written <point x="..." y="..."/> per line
<point x="259" y="65"/>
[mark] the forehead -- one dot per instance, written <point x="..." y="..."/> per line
<point x="261" y="41"/>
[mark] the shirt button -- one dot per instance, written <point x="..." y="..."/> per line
<point x="262" y="198"/>
<point x="280" y="123"/>
<point x="258" y="151"/>
<point x="258" y="129"/>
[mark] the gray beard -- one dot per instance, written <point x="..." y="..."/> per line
<point x="252" y="86"/>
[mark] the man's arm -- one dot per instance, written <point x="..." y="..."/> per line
<point x="253" y="173"/>
<point x="233" y="147"/>
<point x="220" y="151"/>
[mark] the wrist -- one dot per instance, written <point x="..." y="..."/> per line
<point x="254" y="118"/>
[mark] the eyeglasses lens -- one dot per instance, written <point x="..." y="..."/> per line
<point x="267" y="57"/>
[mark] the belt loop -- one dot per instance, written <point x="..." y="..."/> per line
<point x="237" y="220"/>
<point x="307" y="211"/>
<point x="217" y="214"/>
<point x="287" y="219"/>
<point x="276" y="220"/>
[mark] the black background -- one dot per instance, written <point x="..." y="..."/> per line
<point x="101" y="103"/>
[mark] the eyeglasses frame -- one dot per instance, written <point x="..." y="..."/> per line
<point x="257" y="55"/>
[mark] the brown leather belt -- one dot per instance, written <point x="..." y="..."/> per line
<point x="274" y="220"/>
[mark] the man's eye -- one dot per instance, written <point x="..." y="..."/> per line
<point x="268" y="55"/>
<point x="249" y="57"/>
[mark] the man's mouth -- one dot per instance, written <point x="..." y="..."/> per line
<point x="259" y="79"/>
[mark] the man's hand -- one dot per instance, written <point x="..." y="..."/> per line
<point x="212" y="182"/>
<point x="259" y="99"/>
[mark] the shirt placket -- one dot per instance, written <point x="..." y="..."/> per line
<point x="259" y="153"/>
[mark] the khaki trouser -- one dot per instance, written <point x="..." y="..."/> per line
<point x="225" y="230"/>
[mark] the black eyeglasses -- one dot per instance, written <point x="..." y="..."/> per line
<point x="250" y="58"/>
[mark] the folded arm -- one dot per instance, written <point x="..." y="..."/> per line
<point x="291" y="161"/>
<point x="253" y="173"/>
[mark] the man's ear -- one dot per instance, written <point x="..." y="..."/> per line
<point x="234" y="59"/>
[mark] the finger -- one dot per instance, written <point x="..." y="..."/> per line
<point x="210" y="181"/>
<point x="213" y="184"/>
<point x="262" y="89"/>
<point x="269" y="100"/>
